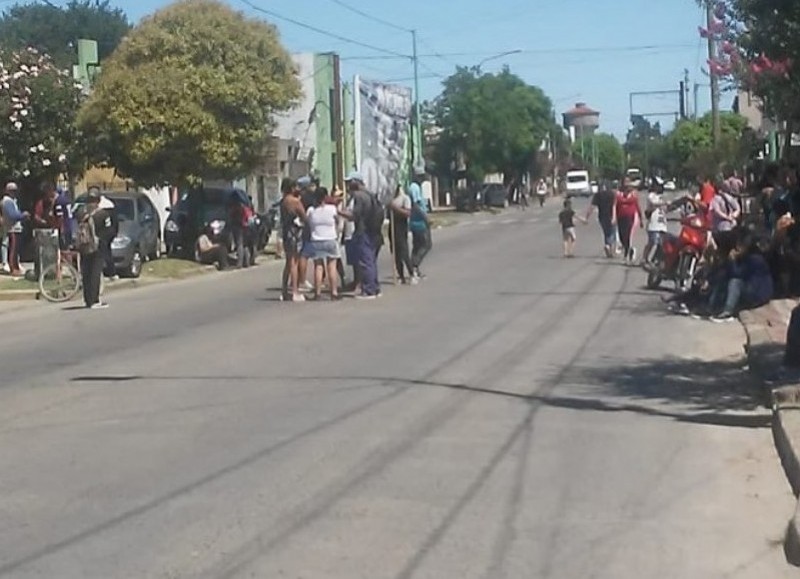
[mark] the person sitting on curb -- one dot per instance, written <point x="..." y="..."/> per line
<point x="746" y="283"/>
<point x="210" y="253"/>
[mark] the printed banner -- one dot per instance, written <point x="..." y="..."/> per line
<point x="384" y="122"/>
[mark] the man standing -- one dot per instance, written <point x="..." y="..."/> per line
<point x="401" y="209"/>
<point x="605" y="202"/>
<point x="12" y="225"/>
<point x="419" y="224"/>
<point x="94" y="226"/>
<point x="44" y="221"/>
<point x="365" y="212"/>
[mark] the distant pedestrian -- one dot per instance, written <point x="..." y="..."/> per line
<point x="307" y="187"/>
<point x="110" y="209"/>
<point x="94" y="226"/>
<point x="293" y="218"/>
<point x="365" y="214"/>
<point x="420" y="227"/>
<point x="629" y="213"/>
<point x="522" y="189"/>
<point x="12" y="226"/>
<point x="322" y="248"/>
<point x="44" y="222"/>
<point x="541" y="192"/>
<point x="401" y="209"/>
<point x="568" y="233"/>
<point x="605" y="203"/>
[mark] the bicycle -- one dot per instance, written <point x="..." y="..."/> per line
<point x="61" y="281"/>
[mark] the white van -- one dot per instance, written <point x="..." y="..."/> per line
<point x="578" y="183"/>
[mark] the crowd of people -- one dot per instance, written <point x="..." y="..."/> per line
<point x="749" y="257"/>
<point x="332" y="230"/>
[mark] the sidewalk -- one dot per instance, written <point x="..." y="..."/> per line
<point x="766" y="339"/>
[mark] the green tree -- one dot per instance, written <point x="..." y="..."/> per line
<point x="38" y="106"/>
<point x="54" y="30"/>
<point x="692" y="145"/>
<point x="494" y="123"/>
<point x="191" y="94"/>
<point x="603" y="153"/>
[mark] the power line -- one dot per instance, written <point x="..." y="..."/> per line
<point x="368" y="16"/>
<point x="639" y="48"/>
<point x="323" y="32"/>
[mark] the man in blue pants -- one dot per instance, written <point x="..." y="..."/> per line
<point x="362" y="216"/>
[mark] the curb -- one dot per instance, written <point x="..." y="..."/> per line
<point x="142" y="282"/>
<point x="766" y="365"/>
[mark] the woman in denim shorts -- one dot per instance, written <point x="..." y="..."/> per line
<point x="322" y="246"/>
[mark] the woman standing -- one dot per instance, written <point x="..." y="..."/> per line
<point x="322" y="247"/>
<point x="628" y="211"/>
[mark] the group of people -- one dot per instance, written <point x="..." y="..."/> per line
<point x="327" y="229"/>
<point x="90" y="232"/>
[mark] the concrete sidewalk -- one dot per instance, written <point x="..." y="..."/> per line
<point x="766" y="341"/>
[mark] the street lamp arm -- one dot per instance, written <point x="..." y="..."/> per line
<point x="496" y="56"/>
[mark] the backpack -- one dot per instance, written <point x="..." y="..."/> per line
<point x="375" y="217"/>
<point x="86" y="238"/>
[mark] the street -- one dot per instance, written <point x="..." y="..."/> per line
<point x="517" y="415"/>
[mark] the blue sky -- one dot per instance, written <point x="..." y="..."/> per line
<point x="573" y="49"/>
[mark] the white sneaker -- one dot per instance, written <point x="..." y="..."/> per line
<point x="99" y="306"/>
<point x="415" y="280"/>
<point x="298" y="298"/>
<point x="308" y="286"/>
<point x="6" y="268"/>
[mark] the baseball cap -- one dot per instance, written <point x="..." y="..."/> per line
<point x="354" y="176"/>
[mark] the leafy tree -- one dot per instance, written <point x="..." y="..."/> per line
<point x="55" y="30"/>
<point x="191" y="93"/>
<point x="692" y="145"/>
<point x="495" y="123"/>
<point x="603" y="153"/>
<point x="38" y="106"/>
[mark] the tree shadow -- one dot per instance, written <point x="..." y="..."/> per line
<point x="697" y="385"/>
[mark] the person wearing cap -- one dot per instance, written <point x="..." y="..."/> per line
<point x="98" y="222"/>
<point x="12" y="226"/>
<point x="364" y="245"/>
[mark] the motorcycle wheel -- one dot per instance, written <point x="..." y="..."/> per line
<point x="688" y="267"/>
<point x="653" y="280"/>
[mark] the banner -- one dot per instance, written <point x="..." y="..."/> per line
<point x="383" y="123"/>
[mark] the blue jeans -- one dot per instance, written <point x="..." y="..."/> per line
<point x="367" y="264"/>
<point x="728" y="296"/>
<point x="609" y="233"/>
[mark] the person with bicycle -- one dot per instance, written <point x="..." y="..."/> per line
<point x="94" y="225"/>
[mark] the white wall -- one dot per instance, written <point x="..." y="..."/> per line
<point x="294" y="124"/>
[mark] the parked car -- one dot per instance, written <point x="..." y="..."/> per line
<point x="468" y="200"/>
<point x="200" y="208"/>
<point x="670" y="186"/>
<point x="494" y="195"/>
<point x="578" y="183"/>
<point x="139" y="236"/>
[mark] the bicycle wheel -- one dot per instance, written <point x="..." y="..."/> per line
<point x="59" y="282"/>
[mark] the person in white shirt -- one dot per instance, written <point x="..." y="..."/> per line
<point x="656" y="222"/>
<point x="322" y="247"/>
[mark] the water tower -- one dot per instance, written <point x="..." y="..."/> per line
<point x="581" y="121"/>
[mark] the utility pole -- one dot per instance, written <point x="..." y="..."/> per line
<point x="419" y="166"/>
<point x="338" y="132"/>
<point x="712" y="56"/>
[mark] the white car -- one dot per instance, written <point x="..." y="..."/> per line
<point x="670" y="186"/>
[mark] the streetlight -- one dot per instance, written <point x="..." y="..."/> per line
<point x="495" y="57"/>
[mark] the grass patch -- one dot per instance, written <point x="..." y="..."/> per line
<point x="6" y="283"/>
<point x="171" y="268"/>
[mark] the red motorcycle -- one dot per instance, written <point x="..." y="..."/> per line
<point x="678" y="257"/>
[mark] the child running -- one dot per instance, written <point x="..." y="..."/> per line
<point x="567" y="219"/>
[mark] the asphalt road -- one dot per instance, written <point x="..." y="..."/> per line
<point x="517" y="415"/>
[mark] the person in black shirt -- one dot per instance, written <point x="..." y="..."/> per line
<point x="567" y="220"/>
<point x="605" y="202"/>
<point x="92" y="259"/>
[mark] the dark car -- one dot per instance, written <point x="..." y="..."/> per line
<point x="495" y="195"/>
<point x="139" y="236"/>
<point x="208" y="207"/>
